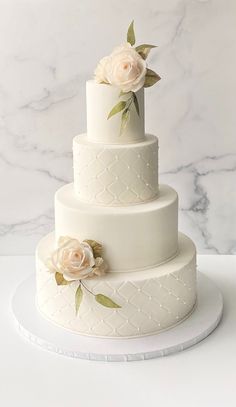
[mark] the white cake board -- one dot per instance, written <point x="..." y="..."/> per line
<point x="48" y="336"/>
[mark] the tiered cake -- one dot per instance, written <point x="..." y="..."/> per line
<point x="116" y="200"/>
<point x="116" y="265"/>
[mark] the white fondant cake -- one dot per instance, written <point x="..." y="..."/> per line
<point x="116" y="265"/>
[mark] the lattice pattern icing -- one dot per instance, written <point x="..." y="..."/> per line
<point x="114" y="175"/>
<point x="150" y="303"/>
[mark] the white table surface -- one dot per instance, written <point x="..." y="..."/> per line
<point x="202" y="376"/>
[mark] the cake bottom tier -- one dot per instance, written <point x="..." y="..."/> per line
<point x="150" y="300"/>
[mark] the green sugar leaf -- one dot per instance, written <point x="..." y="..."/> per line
<point x="106" y="301"/>
<point x="136" y="103"/>
<point x="96" y="247"/>
<point x="78" y="298"/>
<point x="117" y="108"/>
<point x="124" y="120"/>
<point x="122" y="93"/>
<point x="144" y="49"/>
<point x="130" y="34"/>
<point x="151" y="78"/>
<point x="60" y="279"/>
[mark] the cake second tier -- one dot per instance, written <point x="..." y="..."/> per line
<point x="115" y="174"/>
<point x="134" y="237"/>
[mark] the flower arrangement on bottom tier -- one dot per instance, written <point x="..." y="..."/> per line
<point x="75" y="261"/>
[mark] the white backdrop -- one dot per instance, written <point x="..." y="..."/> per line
<point x="48" y="48"/>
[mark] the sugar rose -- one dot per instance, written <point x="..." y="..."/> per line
<point x="73" y="259"/>
<point x="124" y="68"/>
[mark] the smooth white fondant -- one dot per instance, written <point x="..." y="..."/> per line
<point x="134" y="237"/>
<point x="101" y="99"/>
<point x="151" y="300"/>
<point x="111" y="174"/>
<point x="199" y="324"/>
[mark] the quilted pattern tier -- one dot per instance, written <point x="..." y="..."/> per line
<point x="115" y="175"/>
<point x="151" y="301"/>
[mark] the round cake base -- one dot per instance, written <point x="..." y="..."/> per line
<point x="48" y="336"/>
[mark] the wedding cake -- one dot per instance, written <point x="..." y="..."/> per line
<point x="116" y="265"/>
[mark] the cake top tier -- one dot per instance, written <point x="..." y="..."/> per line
<point x="115" y="99"/>
<point x="100" y="129"/>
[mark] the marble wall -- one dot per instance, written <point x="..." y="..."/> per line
<point x="48" y="48"/>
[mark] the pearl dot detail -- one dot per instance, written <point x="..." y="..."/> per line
<point x="135" y="166"/>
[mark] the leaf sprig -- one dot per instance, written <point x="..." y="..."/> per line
<point x="124" y="106"/>
<point x="100" y="298"/>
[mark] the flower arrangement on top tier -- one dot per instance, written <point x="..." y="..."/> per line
<point x="74" y="261"/>
<point x="126" y="68"/>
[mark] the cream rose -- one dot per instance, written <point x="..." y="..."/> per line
<point x="124" y="68"/>
<point x="73" y="259"/>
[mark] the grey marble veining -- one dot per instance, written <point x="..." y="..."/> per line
<point x="47" y="51"/>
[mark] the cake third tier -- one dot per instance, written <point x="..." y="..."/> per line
<point x="115" y="174"/>
<point x="134" y="237"/>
